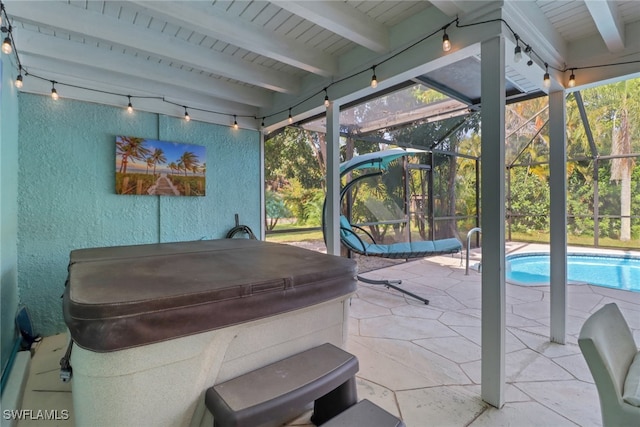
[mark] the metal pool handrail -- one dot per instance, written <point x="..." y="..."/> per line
<point x="469" y="234"/>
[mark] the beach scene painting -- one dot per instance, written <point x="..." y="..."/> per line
<point x="159" y="168"/>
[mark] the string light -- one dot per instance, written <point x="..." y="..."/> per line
<point x="130" y="107"/>
<point x="327" y="103"/>
<point x="374" y="79"/>
<point x="262" y="124"/>
<point x="54" y="92"/>
<point x="446" y="44"/>
<point x="527" y="51"/>
<point x="572" y="79"/>
<point x="6" y="46"/>
<point x="19" y="78"/>
<point x="546" y="79"/>
<point x="517" y="52"/>
<point x="235" y="122"/>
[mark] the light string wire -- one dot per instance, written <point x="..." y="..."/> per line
<point x="531" y="51"/>
<point x="528" y="50"/>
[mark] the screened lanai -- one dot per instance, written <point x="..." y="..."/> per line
<point x="238" y="70"/>
<point x="601" y="154"/>
<point x="459" y="88"/>
<point x="417" y="116"/>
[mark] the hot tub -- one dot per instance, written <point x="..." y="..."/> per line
<point x="156" y="325"/>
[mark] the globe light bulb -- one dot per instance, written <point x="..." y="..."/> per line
<point x="446" y="44"/>
<point x="6" y="46"/>
<point x="517" y="54"/>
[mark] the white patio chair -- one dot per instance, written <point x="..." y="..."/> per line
<point x="608" y="347"/>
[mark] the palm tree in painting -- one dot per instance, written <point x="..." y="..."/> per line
<point x="158" y="157"/>
<point x="149" y="164"/>
<point x="173" y="166"/>
<point x="187" y="161"/>
<point x="130" y="149"/>
<point x="203" y="169"/>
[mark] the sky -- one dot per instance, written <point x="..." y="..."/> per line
<point x="172" y="151"/>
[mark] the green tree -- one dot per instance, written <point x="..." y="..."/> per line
<point x="614" y="113"/>
<point x="276" y="209"/>
<point x="290" y="155"/>
<point x="622" y="167"/>
<point x="304" y="203"/>
<point x="529" y="200"/>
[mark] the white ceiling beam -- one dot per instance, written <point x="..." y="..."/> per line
<point x="447" y="7"/>
<point x="533" y="27"/>
<point x="611" y="28"/>
<point x="593" y="51"/>
<point x="109" y="60"/>
<point x="421" y="59"/>
<point x="343" y="20"/>
<point x="207" y="20"/>
<point x="452" y="8"/>
<point x="117" y="87"/>
<point x="97" y="26"/>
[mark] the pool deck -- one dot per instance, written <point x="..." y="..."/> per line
<point x="422" y="362"/>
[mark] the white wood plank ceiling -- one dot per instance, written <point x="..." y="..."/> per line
<point x="249" y="58"/>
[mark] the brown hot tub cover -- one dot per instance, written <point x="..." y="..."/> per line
<point x="127" y="296"/>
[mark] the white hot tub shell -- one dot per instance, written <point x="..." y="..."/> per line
<point x="146" y="356"/>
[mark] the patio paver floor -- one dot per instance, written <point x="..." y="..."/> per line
<point x="422" y="362"/>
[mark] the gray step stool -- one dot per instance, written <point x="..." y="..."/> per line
<point x="364" y="414"/>
<point x="281" y="391"/>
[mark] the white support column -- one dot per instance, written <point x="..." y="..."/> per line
<point x="558" y="215"/>
<point x="492" y="221"/>
<point x="263" y="210"/>
<point x="333" y="180"/>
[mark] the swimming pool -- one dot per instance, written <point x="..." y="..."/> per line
<point x="612" y="271"/>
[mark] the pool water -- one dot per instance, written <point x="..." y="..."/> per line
<point x="612" y="271"/>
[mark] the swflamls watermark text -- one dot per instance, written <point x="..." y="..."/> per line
<point x="36" y="414"/>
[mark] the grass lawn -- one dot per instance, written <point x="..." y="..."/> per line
<point x="301" y="235"/>
<point x="304" y="235"/>
<point x="604" y="242"/>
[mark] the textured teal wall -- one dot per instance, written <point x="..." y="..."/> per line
<point x="67" y="194"/>
<point x="8" y="208"/>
